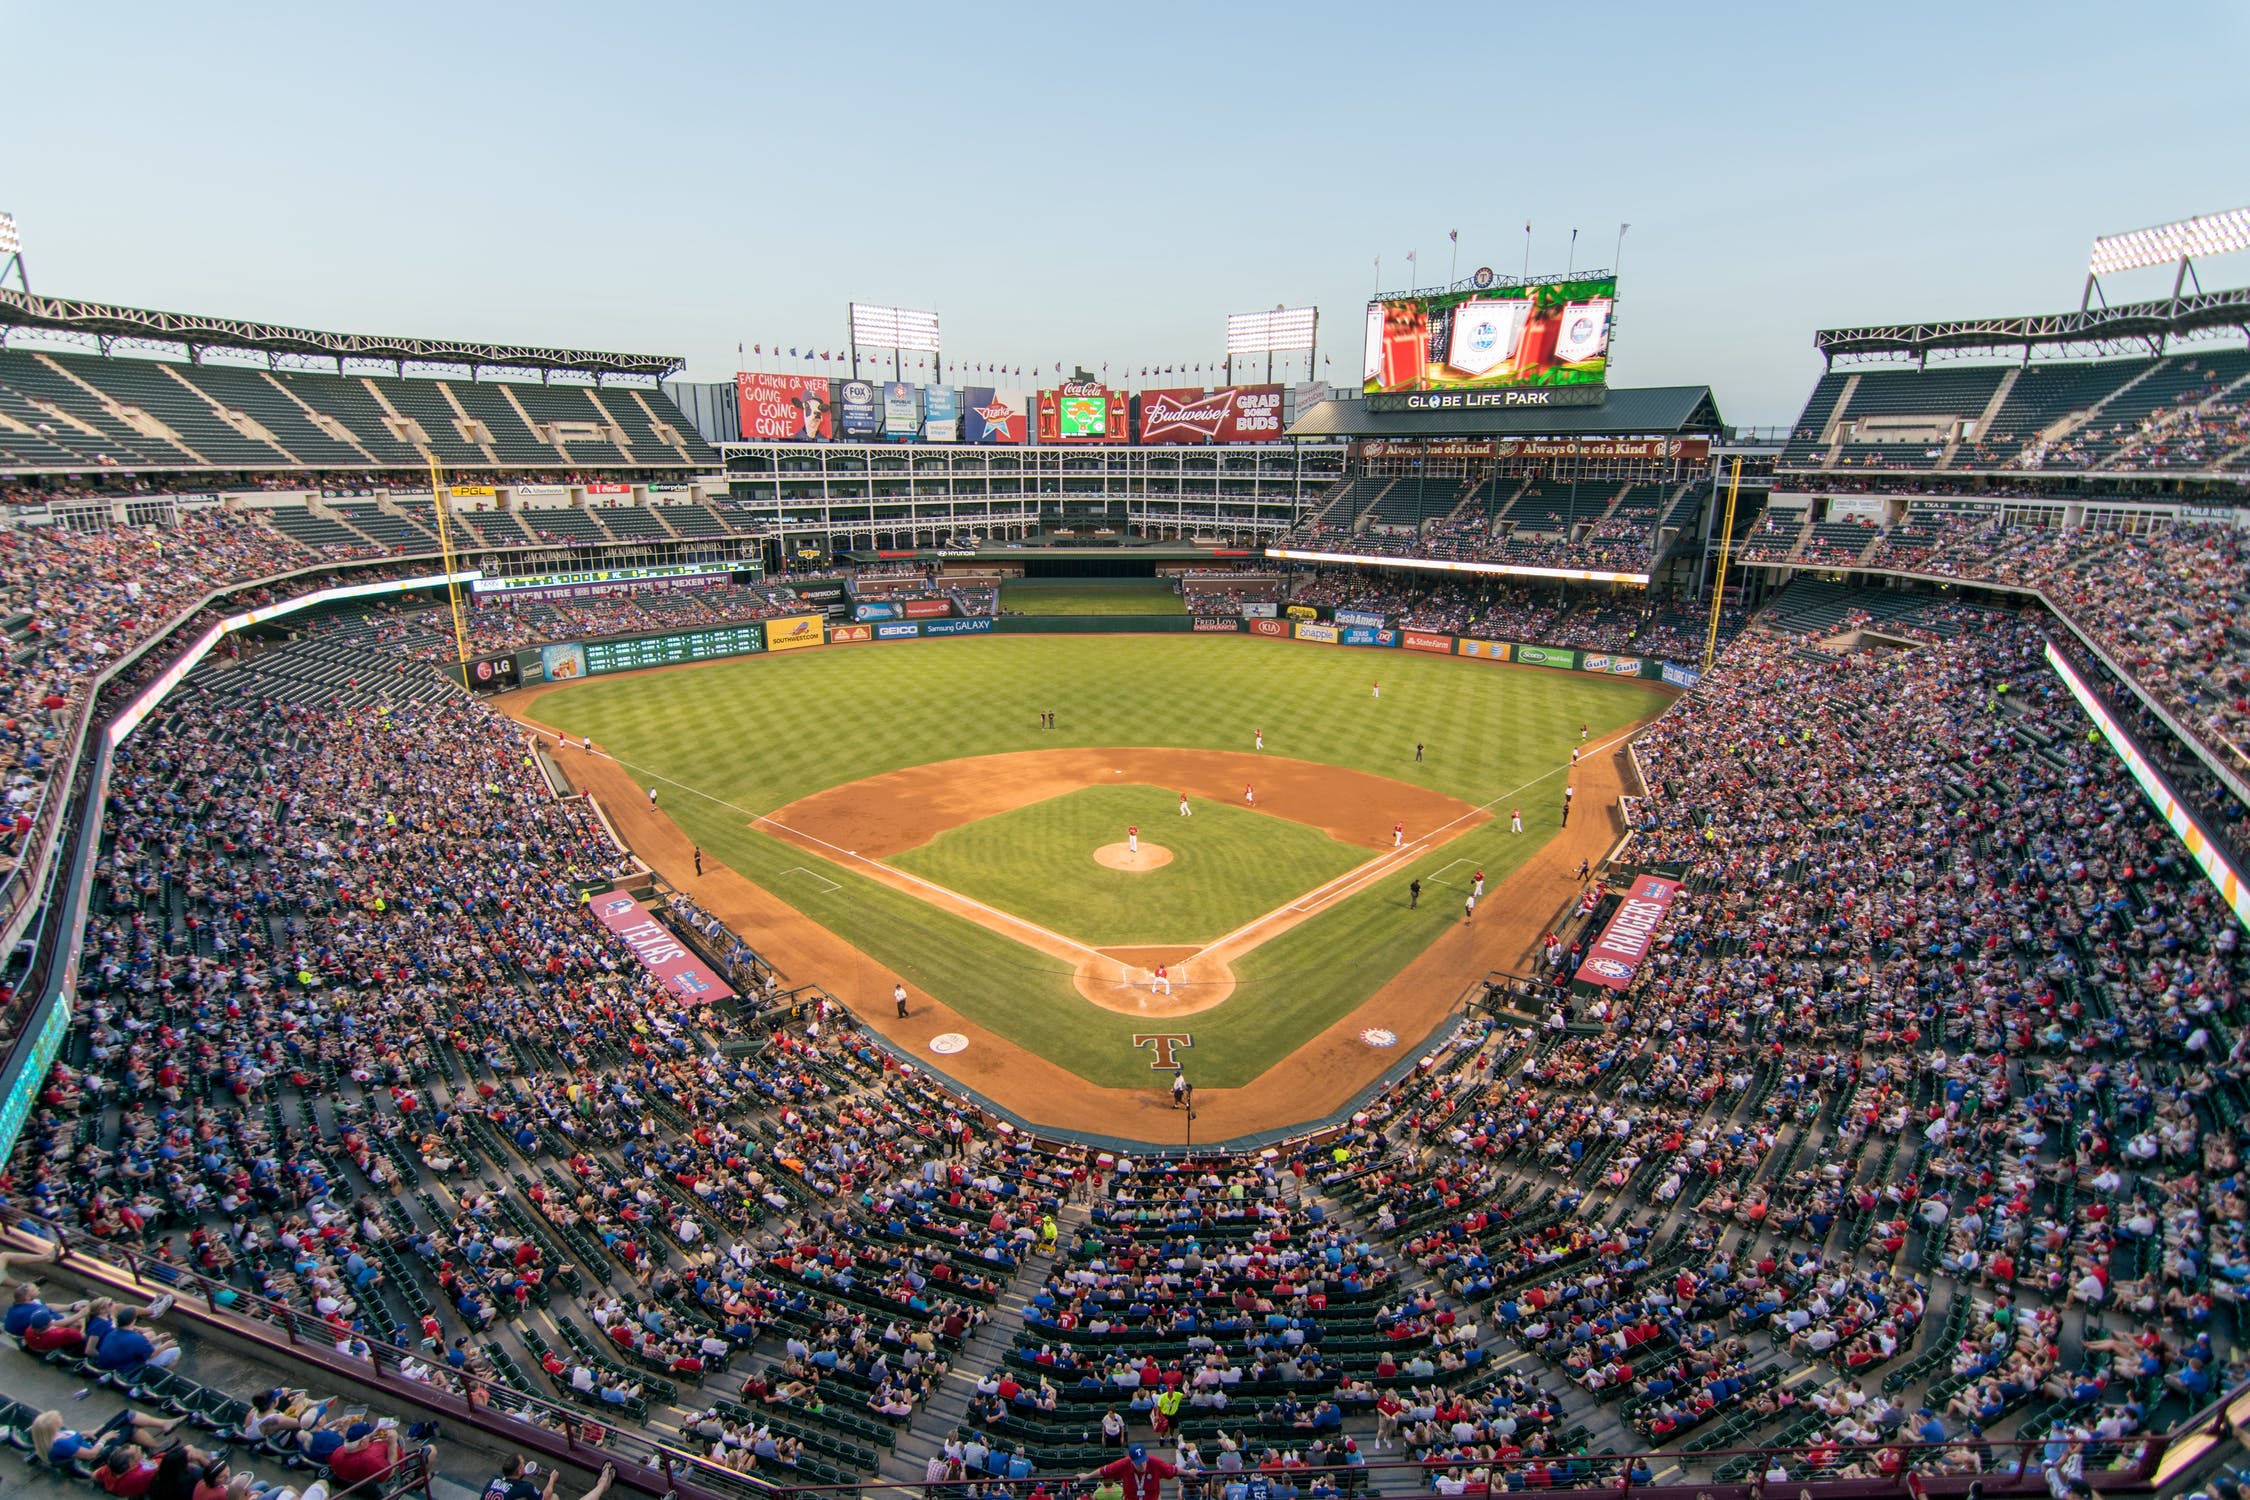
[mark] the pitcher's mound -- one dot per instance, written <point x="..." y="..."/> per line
<point x="1118" y="857"/>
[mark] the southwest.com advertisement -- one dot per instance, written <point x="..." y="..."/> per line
<point x="1552" y="334"/>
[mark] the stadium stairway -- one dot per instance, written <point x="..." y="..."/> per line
<point x="941" y="1417"/>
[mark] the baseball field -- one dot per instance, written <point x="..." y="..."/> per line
<point x="905" y="799"/>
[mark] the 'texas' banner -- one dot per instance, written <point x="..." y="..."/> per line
<point x="664" y="955"/>
<point x="1231" y="414"/>
<point x="1617" y="954"/>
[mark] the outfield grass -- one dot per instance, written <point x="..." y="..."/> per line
<point x="732" y="739"/>
<point x="1229" y="865"/>
<point x="1093" y="598"/>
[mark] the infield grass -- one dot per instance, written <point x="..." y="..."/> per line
<point x="738" y="738"/>
<point x="1095" y="597"/>
<point x="1229" y="865"/>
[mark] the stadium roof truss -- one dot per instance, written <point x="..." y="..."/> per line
<point x="2127" y="327"/>
<point x="108" y="324"/>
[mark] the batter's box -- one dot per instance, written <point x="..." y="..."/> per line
<point x="827" y="887"/>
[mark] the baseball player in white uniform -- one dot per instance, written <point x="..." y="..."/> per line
<point x="1479" y="891"/>
<point x="1260" y="736"/>
<point x="1133" y="839"/>
<point x="1398" y="835"/>
<point x="1185" y="810"/>
<point x="1250" y="795"/>
<point x="1159" y="980"/>
<point x="1378" y="688"/>
<point x="1515" y="821"/>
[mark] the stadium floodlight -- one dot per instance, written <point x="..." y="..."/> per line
<point x="1265" y="332"/>
<point x="2206" y="234"/>
<point x="894" y="328"/>
<point x="11" y="243"/>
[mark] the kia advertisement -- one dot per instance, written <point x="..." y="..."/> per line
<point x="784" y="408"/>
<point x="991" y="415"/>
<point x="1234" y="414"/>
<point x="1083" y="411"/>
<point x="1617" y="954"/>
<point x="856" y="406"/>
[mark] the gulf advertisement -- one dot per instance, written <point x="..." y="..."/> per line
<point x="902" y="413"/>
<point x="784" y="408"/>
<point x="1217" y="625"/>
<point x="683" y="974"/>
<point x="977" y="626"/>
<point x="1615" y="666"/>
<point x="838" y="634"/>
<point x="857" y="411"/>
<point x="1618" y="953"/>
<point x="795" y="632"/>
<point x="1231" y="414"/>
<point x="1313" y="630"/>
<point x="1083" y="411"/>
<point x="1422" y="640"/>
<point x="941" y="414"/>
<point x="1358" y="617"/>
<point x="992" y="415"/>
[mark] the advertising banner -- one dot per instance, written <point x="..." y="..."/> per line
<point x="1358" y="617"/>
<point x="857" y="410"/>
<point x="897" y="632"/>
<point x="839" y="633"/>
<point x="1446" y="448"/>
<point x="493" y="674"/>
<point x="1083" y="411"/>
<point x="1272" y="630"/>
<point x="1551" y="335"/>
<point x="1217" y="625"/>
<point x="1419" y="640"/>
<point x="941" y="414"/>
<point x="609" y="489"/>
<point x="958" y="627"/>
<point x="1593" y="661"/>
<point x="1308" y="630"/>
<point x="660" y="951"/>
<point x="1303" y="612"/>
<point x="1678" y="450"/>
<point x="991" y="415"/>
<point x="472" y="491"/>
<point x="1489" y="650"/>
<point x="1681" y="677"/>
<point x="1259" y="609"/>
<point x="869" y="610"/>
<point x="537" y="491"/>
<point x="784" y="408"/>
<point x="818" y="593"/>
<point x="1367" y="635"/>
<point x="564" y="663"/>
<point x="1624" y="666"/>
<point x="1617" y="954"/>
<point x="902" y="414"/>
<point x="1546" y="656"/>
<point x="794" y="632"/>
<point x="1231" y="414"/>
<point x="927" y="609"/>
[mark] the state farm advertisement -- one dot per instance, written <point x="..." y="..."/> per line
<point x="1618" y="953"/>
<point x="784" y="408"/>
<point x="1419" y="640"/>
<point x="1234" y="414"/>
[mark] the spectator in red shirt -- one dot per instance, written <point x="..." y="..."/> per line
<point x="1142" y="1476"/>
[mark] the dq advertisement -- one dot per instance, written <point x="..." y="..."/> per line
<point x="795" y="632"/>
<point x="1367" y="635"/>
<point x="902" y="414"/>
<point x="1416" y="640"/>
<point x="840" y="633"/>
<point x="941" y="414"/>
<point x="784" y="408"/>
<point x="1617" y="954"/>
<point x="1083" y="411"/>
<point x="1232" y="414"/>
<point x="856" y="406"/>
<point x="660" y="952"/>
<point x="1308" y="630"/>
<point x="991" y="415"/>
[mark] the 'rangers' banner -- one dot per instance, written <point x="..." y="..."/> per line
<point x="1232" y="414"/>
<point x="659" y="950"/>
<point x="989" y="415"/>
<point x="790" y="408"/>
<point x="1617" y="954"/>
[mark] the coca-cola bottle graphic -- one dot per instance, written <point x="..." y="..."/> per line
<point x="1535" y="352"/>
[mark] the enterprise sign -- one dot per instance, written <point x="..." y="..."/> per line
<point x="1504" y="398"/>
<point x="1447" y="565"/>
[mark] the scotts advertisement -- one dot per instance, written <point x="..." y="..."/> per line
<point x="659" y="950"/>
<point x="902" y="414"/>
<point x="1083" y="411"/>
<point x="855" y="405"/>
<point x="941" y="414"/>
<point x="784" y="408"/>
<point x="1232" y="414"/>
<point x="1679" y="450"/>
<point x="1416" y="640"/>
<point x="1357" y="617"/>
<point x="1617" y="954"/>
<point x="991" y="415"/>
<point x="1546" y="656"/>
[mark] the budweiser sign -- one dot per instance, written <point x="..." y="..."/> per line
<point x="1617" y="954"/>
<point x="1233" y="414"/>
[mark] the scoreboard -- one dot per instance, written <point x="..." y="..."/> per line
<point x="663" y="650"/>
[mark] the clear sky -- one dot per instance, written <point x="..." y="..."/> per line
<point x="1090" y="183"/>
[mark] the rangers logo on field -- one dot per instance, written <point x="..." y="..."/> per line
<point x="1609" y="968"/>
<point x="946" y="1043"/>
<point x="1379" y="1036"/>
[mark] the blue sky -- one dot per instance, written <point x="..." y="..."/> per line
<point x="1106" y="183"/>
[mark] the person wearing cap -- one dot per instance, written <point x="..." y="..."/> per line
<point x="125" y="1347"/>
<point x="1142" y="1477"/>
<point x="49" y="1334"/>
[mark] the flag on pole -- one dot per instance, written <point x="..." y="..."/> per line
<point x="1454" y="235"/>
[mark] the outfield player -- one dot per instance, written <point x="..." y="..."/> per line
<point x="1581" y="734"/>
<point x="1250" y="795"/>
<point x="1378" y="687"/>
<point x="1515" y="821"/>
<point x="1133" y="839"/>
<point x="1398" y="835"/>
<point x="1160" y="980"/>
<point x="1480" y="884"/>
<point x="1185" y="810"/>
<point x="1260" y="736"/>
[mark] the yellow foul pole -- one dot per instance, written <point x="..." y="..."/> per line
<point x="1719" y="581"/>
<point x="439" y="495"/>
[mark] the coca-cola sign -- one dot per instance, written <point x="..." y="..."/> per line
<point x="1232" y="414"/>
